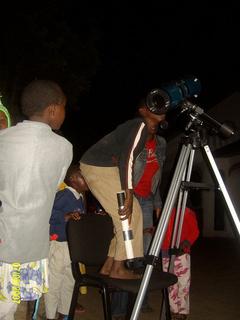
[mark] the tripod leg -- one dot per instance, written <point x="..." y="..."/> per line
<point x="181" y="206"/>
<point x="170" y="199"/>
<point x="162" y="226"/>
<point x="177" y="230"/>
<point x="222" y="187"/>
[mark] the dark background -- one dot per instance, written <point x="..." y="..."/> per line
<point x="105" y="56"/>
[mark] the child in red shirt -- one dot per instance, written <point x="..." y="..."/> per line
<point x="179" y="292"/>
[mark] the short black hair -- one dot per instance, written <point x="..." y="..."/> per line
<point x="39" y="94"/>
<point x="74" y="168"/>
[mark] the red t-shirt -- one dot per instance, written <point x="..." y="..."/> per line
<point x="143" y="188"/>
<point x="189" y="232"/>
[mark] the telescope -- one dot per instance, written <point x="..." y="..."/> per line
<point x="169" y="96"/>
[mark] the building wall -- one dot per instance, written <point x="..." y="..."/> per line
<point x="216" y="219"/>
<point x="211" y="209"/>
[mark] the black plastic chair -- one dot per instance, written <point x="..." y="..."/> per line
<point x="88" y="242"/>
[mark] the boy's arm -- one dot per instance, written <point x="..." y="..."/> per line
<point x="132" y="142"/>
<point x="57" y="215"/>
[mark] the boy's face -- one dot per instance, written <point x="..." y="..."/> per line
<point x="152" y="120"/>
<point x="78" y="182"/>
<point x="57" y="115"/>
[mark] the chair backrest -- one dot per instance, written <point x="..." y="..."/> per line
<point x="89" y="239"/>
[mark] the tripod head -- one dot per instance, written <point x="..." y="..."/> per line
<point x="198" y="119"/>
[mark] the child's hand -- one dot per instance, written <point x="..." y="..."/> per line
<point x="185" y="246"/>
<point x="73" y="216"/>
<point x="126" y="211"/>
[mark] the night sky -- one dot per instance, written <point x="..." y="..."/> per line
<point x="138" y="47"/>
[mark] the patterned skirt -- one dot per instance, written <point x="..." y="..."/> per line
<point x="23" y="282"/>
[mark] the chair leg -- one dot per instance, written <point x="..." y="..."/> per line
<point x="74" y="301"/>
<point x="165" y="313"/>
<point x="131" y="302"/>
<point x="106" y="303"/>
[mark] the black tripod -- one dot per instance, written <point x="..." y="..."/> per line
<point x="182" y="174"/>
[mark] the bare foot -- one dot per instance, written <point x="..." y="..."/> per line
<point x="119" y="271"/>
<point x="107" y="267"/>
